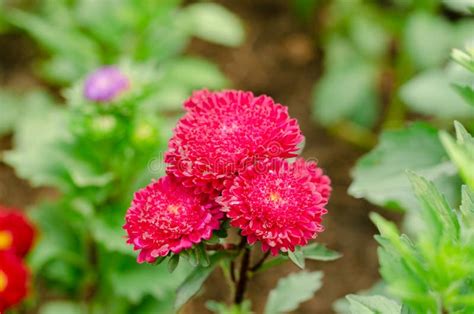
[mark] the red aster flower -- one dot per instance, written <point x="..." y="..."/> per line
<point x="322" y="182"/>
<point x="223" y="132"/>
<point x="16" y="233"/>
<point x="196" y="99"/>
<point x="165" y="216"/>
<point x="13" y="280"/>
<point x="275" y="203"/>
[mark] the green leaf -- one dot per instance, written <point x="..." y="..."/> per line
<point x="431" y="93"/>
<point x="39" y="133"/>
<point x="293" y="290"/>
<point x="428" y="39"/>
<point x="59" y="40"/>
<point x="196" y="279"/>
<point x="106" y="228"/>
<point x="370" y="37"/>
<point x="63" y="307"/>
<point x="467" y="214"/>
<point x="222" y="308"/>
<point x="213" y="22"/>
<point x="461" y="152"/>
<point x="466" y="92"/>
<point x="463" y="6"/>
<point x="438" y="216"/>
<point x="319" y="252"/>
<point x="349" y="93"/>
<point x="193" y="73"/>
<point x="297" y="257"/>
<point x="373" y="305"/>
<point x="59" y="255"/>
<point x="44" y="130"/>
<point x="464" y="58"/>
<point x="379" y="176"/>
<point x="467" y="204"/>
<point x="10" y="107"/>
<point x="135" y="281"/>
<point x="173" y="263"/>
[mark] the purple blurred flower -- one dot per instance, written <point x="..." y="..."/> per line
<point x="105" y="84"/>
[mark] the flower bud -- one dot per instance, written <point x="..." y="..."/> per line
<point x="105" y="84"/>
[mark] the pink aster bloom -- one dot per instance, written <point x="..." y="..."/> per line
<point x="321" y="181"/>
<point x="224" y="132"/>
<point x="276" y="203"/>
<point x="166" y="217"/>
<point x="105" y="84"/>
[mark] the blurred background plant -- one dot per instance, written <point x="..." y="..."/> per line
<point x="79" y="36"/>
<point x="384" y="63"/>
<point x="390" y="58"/>
<point x="96" y="153"/>
<point x="76" y="37"/>
<point x="426" y="268"/>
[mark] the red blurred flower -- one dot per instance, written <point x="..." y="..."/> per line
<point x="276" y="203"/>
<point x="13" y="280"/>
<point x="224" y="132"/>
<point x="16" y="232"/>
<point x="165" y="216"/>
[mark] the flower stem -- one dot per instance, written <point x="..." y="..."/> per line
<point x="260" y="262"/>
<point x="243" y="276"/>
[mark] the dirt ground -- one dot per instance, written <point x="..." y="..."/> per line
<point x="279" y="58"/>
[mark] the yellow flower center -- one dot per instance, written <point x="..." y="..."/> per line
<point x="275" y="197"/>
<point x="6" y="240"/>
<point x="3" y="281"/>
<point x="173" y="209"/>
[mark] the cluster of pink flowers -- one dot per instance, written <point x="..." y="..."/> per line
<point x="232" y="156"/>
<point x="16" y="239"/>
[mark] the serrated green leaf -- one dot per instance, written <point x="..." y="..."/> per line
<point x="373" y="305"/>
<point x="439" y="217"/>
<point x="461" y="152"/>
<point x="319" y="252"/>
<point x="213" y="22"/>
<point x="467" y="204"/>
<point x="467" y="214"/>
<point x="195" y="280"/>
<point x="297" y="257"/>
<point x="293" y="290"/>
<point x="379" y="176"/>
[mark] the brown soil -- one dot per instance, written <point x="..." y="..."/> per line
<point x="279" y="58"/>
